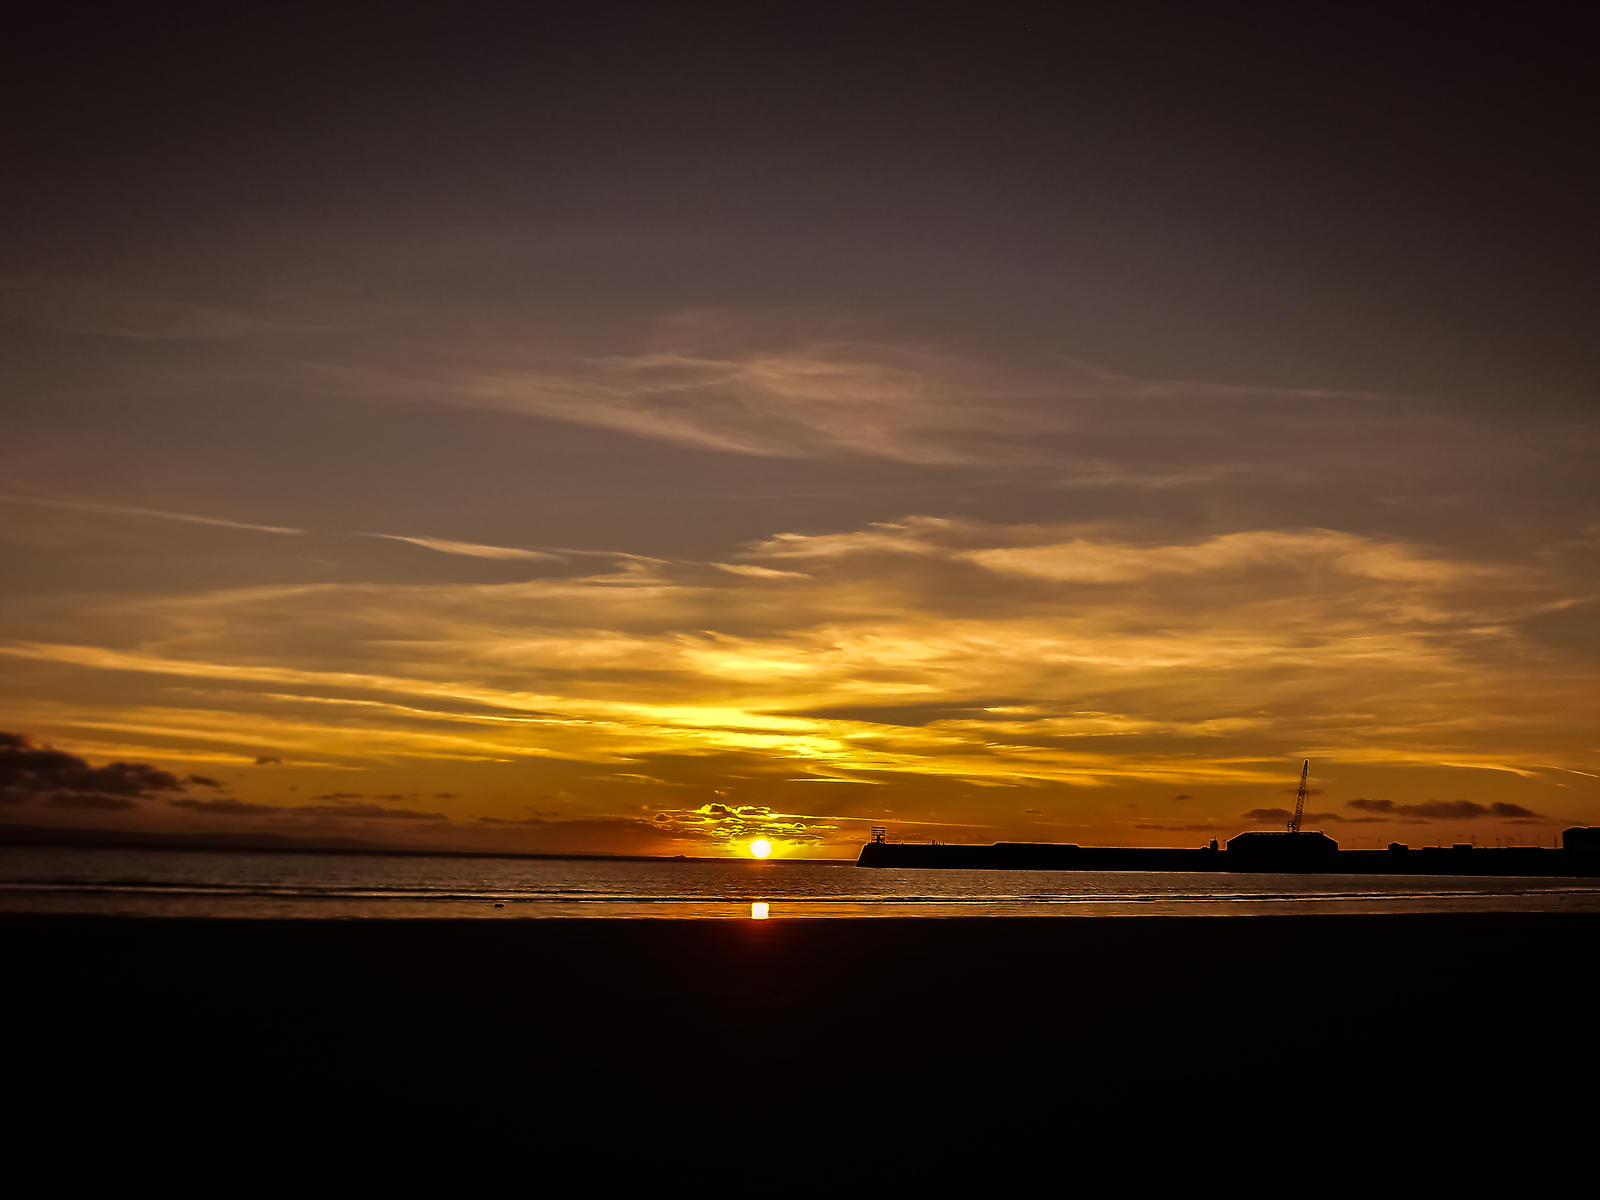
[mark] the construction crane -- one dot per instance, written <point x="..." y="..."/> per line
<point x="1300" y="799"/>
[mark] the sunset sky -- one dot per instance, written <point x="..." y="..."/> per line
<point x="633" y="430"/>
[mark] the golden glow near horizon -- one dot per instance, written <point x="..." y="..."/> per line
<point x="1204" y="685"/>
<point x="1106" y="680"/>
<point x="760" y="848"/>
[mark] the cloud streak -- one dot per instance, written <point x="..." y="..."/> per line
<point x="1445" y="810"/>
<point x="467" y="549"/>
<point x="438" y="545"/>
<point x="71" y="504"/>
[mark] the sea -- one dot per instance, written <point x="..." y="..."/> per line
<point x="148" y="882"/>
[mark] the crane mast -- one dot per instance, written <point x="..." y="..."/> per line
<point x="1300" y="799"/>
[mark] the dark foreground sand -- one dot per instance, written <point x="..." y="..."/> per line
<point x="907" y="1032"/>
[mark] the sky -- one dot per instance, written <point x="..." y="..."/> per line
<point x="635" y="429"/>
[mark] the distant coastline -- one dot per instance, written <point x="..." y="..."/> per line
<point x="246" y="843"/>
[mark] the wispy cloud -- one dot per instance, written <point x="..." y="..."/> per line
<point x="786" y="385"/>
<point x="752" y="571"/>
<point x="878" y="400"/>
<point x="438" y="545"/>
<point x="465" y="549"/>
<point x="1088" y="561"/>
<point x="71" y="504"/>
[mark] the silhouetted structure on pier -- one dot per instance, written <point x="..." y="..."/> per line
<point x="1267" y="853"/>
<point x="1281" y="851"/>
<point x="1581" y="840"/>
<point x="1293" y="851"/>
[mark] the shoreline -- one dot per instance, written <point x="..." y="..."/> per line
<point x="89" y="904"/>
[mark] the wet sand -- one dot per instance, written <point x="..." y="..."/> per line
<point x="874" y="1027"/>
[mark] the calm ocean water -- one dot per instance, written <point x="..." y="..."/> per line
<point x="267" y="884"/>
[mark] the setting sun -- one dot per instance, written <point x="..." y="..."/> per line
<point x="761" y="847"/>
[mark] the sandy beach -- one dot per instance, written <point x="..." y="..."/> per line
<point x="886" y="1024"/>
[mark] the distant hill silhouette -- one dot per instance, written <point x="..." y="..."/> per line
<point x="44" y="835"/>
